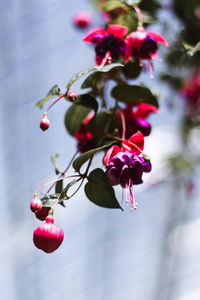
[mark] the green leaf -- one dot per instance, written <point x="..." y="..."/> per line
<point x="54" y="162"/>
<point x="99" y="191"/>
<point x="112" y="4"/>
<point x="96" y="79"/>
<point x="109" y="67"/>
<point x="97" y="124"/>
<point x="79" y="75"/>
<point x="195" y="49"/>
<point x="63" y="195"/>
<point x="80" y="160"/>
<point x="78" y="111"/>
<point x="131" y="2"/>
<point x="87" y="100"/>
<point x="133" y="94"/>
<point x="132" y="69"/>
<point x="41" y="102"/>
<point x="49" y="200"/>
<point x="54" y="92"/>
<point x="59" y="187"/>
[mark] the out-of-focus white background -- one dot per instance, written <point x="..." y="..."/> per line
<point x="149" y="254"/>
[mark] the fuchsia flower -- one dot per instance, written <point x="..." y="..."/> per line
<point x="125" y="166"/>
<point x="82" y="19"/>
<point x="143" y="45"/>
<point x="84" y="136"/>
<point x="191" y="93"/>
<point x="136" y="119"/>
<point x="110" y="42"/>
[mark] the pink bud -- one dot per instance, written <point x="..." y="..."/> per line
<point x="36" y="204"/>
<point x="48" y="237"/>
<point x="44" y="123"/>
<point x="82" y="19"/>
<point x="72" y="96"/>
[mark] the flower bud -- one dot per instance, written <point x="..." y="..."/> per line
<point x="36" y="205"/>
<point x="72" y="96"/>
<point x="48" y="237"/>
<point x="44" y="123"/>
<point x="82" y="19"/>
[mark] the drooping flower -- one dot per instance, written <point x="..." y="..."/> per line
<point x="126" y="169"/>
<point x="84" y="136"/>
<point x="191" y="93"/>
<point x="134" y="144"/>
<point x="110" y="42"/>
<point x="135" y="117"/>
<point x="143" y="45"/>
<point x="82" y="19"/>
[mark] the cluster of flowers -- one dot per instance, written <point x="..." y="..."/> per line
<point x="139" y="45"/>
<point x="47" y="236"/>
<point x="125" y="161"/>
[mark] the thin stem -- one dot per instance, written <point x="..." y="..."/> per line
<point x="123" y="125"/>
<point x="63" y="173"/>
<point x="139" y="15"/>
<point x="106" y="58"/>
<point x="63" y="95"/>
<point x="54" y="181"/>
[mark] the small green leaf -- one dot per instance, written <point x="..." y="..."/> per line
<point x="78" y="111"/>
<point x="133" y="93"/>
<point x="80" y="160"/>
<point x="54" y="162"/>
<point x="109" y="67"/>
<point x="112" y="4"/>
<point x="54" y="91"/>
<point x="49" y="200"/>
<point x="59" y="187"/>
<point x="98" y="122"/>
<point x="63" y="195"/>
<point x="41" y="102"/>
<point x="79" y="75"/>
<point x="131" y="2"/>
<point x="195" y="49"/>
<point x="99" y="191"/>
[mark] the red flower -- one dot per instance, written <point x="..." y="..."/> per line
<point x="135" y="118"/>
<point x="84" y="136"/>
<point x="142" y="45"/>
<point x="191" y="93"/>
<point x="82" y="19"/>
<point x="133" y="145"/>
<point x="110" y="42"/>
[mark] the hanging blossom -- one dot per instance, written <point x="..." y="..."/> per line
<point x="126" y="167"/>
<point x="135" y="118"/>
<point x="84" y="136"/>
<point x="143" y="45"/>
<point x="191" y="93"/>
<point x="108" y="43"/>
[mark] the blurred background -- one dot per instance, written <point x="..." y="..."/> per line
<point x="149" y="254"/>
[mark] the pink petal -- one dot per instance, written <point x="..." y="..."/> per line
<point x="110" y="153"/>
<point x="135" y="39"/>
<point x="99" y="31"/>
<point x="117" y="30"/>
<point x="144" y="110"/>
<point x="137" y="139"/>
<point x="158" y="37"/>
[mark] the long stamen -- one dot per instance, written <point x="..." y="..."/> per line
<point x="127" y="194"/>
<point x="133" y="202"/>
<point x="123" y="125"/>
<point x="151" y="69"/>
<point x="107" y="58"/>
